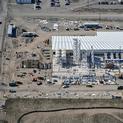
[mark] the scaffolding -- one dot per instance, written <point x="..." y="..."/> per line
<point x="63" y="55"/>
<point x="92" y="56"/>
<point x="76" y="51"/>
<point x="58" y="56"/>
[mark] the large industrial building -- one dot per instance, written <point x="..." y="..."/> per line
<point x="103" y="47"/>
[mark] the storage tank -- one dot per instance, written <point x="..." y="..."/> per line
<point x="25" y="1"/>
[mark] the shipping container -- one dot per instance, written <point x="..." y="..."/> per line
<point x="25" y="1"/>
<point x="91" y="25"/>
<point x="11" y="30"/>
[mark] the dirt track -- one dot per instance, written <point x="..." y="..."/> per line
<point x="79" y="116"/>
<point x="15" y="108"/>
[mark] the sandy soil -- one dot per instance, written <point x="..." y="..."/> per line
<point x="79" y="116"/>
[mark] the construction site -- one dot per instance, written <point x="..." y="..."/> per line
<point x="45" y="54"/>
<point x="61" y="49"/>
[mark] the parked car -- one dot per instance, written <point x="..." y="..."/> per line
<point x="67" y="29"/>
<point x="13" y="84"/>
<point x="38" y="7"/>
<point x="116" y="97"/>
<point x="104" y="3"/>
<point x="39" y="83"/>
<point x="19" y="83"/>
<point x="67" y="2"/>
<point x="52" y="4"/>
<point x="55" y="80"/>
<point x="20" y="75"/>
<point x="76" y="29"/>
<point x="7" y="58"/>
<point x="34" y="80"/>
<point x="66" y="86"/>
<point x="4" y="84"/>
<point x="41" y="78"/>
<point x="120" y="88"/>
<point x="90" y="86"/>
<point x="12" y="91"/>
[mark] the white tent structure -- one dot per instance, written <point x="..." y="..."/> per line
<point x="55" y="26"/>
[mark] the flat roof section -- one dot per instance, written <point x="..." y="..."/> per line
<point x="102" y="41"/>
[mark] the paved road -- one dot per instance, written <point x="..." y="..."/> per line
<point x="62" y="12"/>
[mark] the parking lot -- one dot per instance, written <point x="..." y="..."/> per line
<point x="55" y="91"/>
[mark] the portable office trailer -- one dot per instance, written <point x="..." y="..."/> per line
<point x="11" y="30"/>
<point x="91" y="25"/>
<point x="25" y="1"/>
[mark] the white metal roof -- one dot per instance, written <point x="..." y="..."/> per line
<point x="90" y="23"/>
<point x="101" y="41"/>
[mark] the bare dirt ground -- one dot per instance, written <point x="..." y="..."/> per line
<point x="15" y="108"/>
<point x="79" y="116"/>
<point x="23" y="11"/>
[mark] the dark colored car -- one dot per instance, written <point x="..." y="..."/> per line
<point x="34" y="80"/>
<point x="12" y="91"/>
<point x="34" y="71"/>
<point x="7" y="58"/>
<point x="41" y="78"/>
<point x="67" y="3"/>
<point x="120" y="88"/>
<point x="90" y="86"/>
<point x="20" y="75"/>
<point x="55" y="80"/>
<point x="38" y="7"/>
<point x="13" y="85"/>
<point x="67" y="29"/>
<point x="76" y="29"/>
<point x="39" y="83"/>
<point x="19" y="83"/>
<point x="4" y="84"/>
<point x="66" y="86"/>
<point x="116" y="97"/>
<point x="52" y="4"/>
